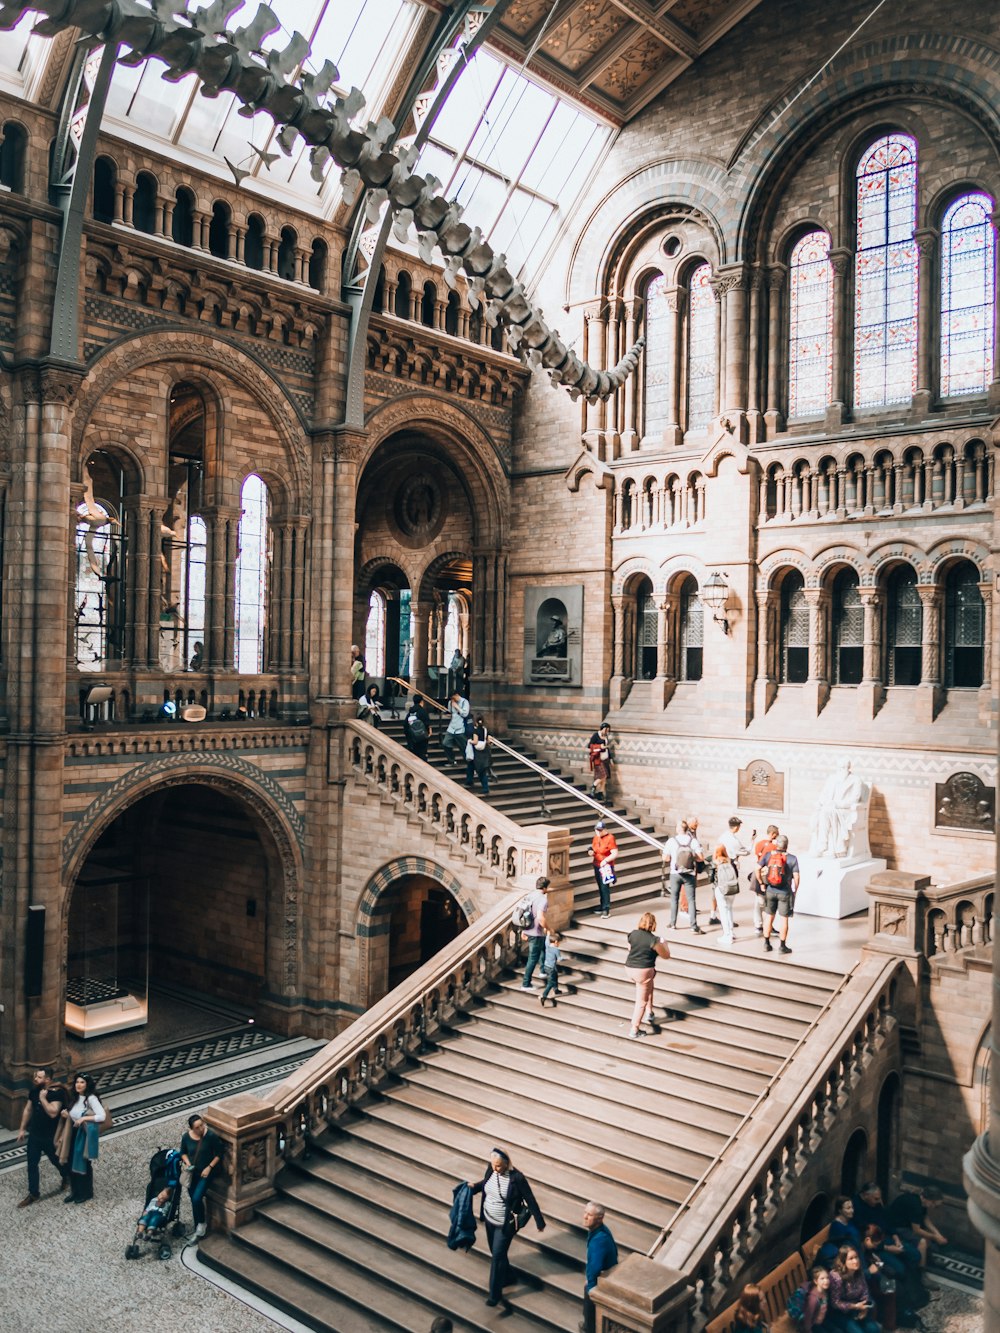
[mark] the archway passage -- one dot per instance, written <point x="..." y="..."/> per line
<point x="168" y="919"/>
<point x="414" y="919"/>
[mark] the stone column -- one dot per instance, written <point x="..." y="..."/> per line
<point x="774" y="416"/>
<point x="929" y="693"/>
<point x="618" y="685"/>
<point x="836" y="411"/>
<point x="419" y="612"/>
<point x="346" y="451"/>
<point x="871" y="691"/>
<point x="755" y="418"/>
<point x="137" y="511"/>
<point x="222" y="533"/>
<point x="666" y="671"/>
<point x="817" y="687"/>
<point x="766" y="685"/>
<point x="732" y="288"/>
<point x="676" y="301"/>
<point x="595" y="318"/>
<point x="926" y="240"/>
<point x="629" y="424"/>
<point x="299" y="526"/>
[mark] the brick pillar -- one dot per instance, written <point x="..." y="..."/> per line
<point x="348" y="449"/>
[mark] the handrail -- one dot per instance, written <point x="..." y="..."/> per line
<point x="603" y="811"/>
<point x="408" y="686"/>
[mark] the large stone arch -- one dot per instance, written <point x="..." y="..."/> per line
<point x="456" y="430"/>
<point x="367" y="924"/>
<point x="954" y="67"/>
<point x="207" y="358"/>
<point x="245" y="783"/>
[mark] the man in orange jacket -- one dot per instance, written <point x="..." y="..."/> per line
<point x="603" y="851"/>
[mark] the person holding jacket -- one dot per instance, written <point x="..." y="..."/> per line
<point x="506" y="1197"/>
<point x="86" y="1115"/>
<point x="603" y="853"/>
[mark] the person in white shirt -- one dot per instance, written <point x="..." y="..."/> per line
<point x="735" y="848"/>
<point x="85" y="1113"/>
<point x="683" y="852"/>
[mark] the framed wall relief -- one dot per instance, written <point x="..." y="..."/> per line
<point x="760" y="787"/>
<point x="553" y="635"/>
<point x="965" y="802"/>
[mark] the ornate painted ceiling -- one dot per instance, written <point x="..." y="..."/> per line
<point x="614" y="56"/>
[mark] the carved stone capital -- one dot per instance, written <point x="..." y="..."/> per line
<point x="59" y="384"/>
<point x="840" y="262"/>
<point x="777" y="276"/>
<point x="926" y="239"/>
<point x="732" y="278"/>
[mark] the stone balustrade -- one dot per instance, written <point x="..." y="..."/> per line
<point x="910" y="916"/>
<point x="262" y="1133"/>
<point x="750" y="1188"/>
<point x="514" y="854"/>
<point x="648" y="503"/>
<point x="909" y="478"/>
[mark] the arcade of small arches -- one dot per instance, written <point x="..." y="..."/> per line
<point x="903" y="621"/>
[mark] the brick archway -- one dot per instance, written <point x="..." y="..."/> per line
<point x="369" y="926"/>
<point x="278" y="823"/>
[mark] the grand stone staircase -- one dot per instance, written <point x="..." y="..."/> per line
<point x="518" y="793"/>
<point x="353" y="1239"/>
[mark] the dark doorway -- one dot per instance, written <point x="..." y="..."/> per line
<point x="423" y="918"/>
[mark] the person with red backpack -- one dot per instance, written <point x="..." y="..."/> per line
<point x="778" y="876"/>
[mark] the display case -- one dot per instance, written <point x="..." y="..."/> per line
<point x="107" y="965"/>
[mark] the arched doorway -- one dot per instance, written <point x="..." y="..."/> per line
<point x="177" y="906"/>
<point x="387" y="641"/>
<point x="414" y="917"/>
<point x="854" y="1167"/>
<point x="887" y="1142"/>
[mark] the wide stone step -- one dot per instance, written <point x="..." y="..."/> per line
<point x="623" y="1082"/>
<point x="650" y="1121"/>
<point x="426" y="1198"/>
<point x="682" y="1060"/>
<point x="401" y="1277"/>
<point x="559" y="1188"/>
<point x="622" y="1184"/>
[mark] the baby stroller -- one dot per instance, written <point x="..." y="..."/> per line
<point x="161" y="1211"/>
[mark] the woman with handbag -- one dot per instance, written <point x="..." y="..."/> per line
<point x="477" y="754"/>
<point x="727" y="885"/>
<point x="507" y="1206"/>
<point x="599" y="759"/>
<point x="86" y="1115"/>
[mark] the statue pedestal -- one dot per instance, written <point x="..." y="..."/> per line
<point x="835" y="886"/>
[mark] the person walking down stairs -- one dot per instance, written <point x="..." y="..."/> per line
<point x="599" y="759"/>
<point x="477" y="754"/>
<point x="552" y="956"/>
<point x="603" y="852"/>
<point x="507" y="1206"/>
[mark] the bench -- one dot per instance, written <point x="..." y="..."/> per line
<point x="812" y="1247"/>
<point x="776" y="1291"/>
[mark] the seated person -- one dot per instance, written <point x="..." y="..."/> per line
<point x="870" y="1210"/>
<point x="842" y="1228"/>
<point x="817" y="1300"/>
<point x="370" y="706"/>
<point x="851" y="1308"/>
<point x="155" y="1215"/>
<point x="911" y="1217"/>
<point x="750" y="1312"/>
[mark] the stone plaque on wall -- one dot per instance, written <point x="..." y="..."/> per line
<point x="553" y="635"/>
<point x="760" y="787"/>
<point x="965" y="802"/>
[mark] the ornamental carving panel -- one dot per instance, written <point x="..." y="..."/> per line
<point x="253" y="1161"/>
<point x="760" y="787"/>
<point x="965" y="802"/>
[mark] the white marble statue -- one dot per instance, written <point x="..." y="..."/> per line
<point x="840" y="825"/>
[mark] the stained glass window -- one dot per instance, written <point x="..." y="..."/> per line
<point x="251" y="576"/>
<point x="646" y="634"/>
<point x="657" y="350"/>
<point x="692" y="632"/>
<point x="702" y="349"/>
<point x="794" y="630"/>
<point x="968" y="295"/>
<point x="964" y="627"/>
<point x="906" y="627"/>
<point x="375" y="635"/>
<point x="848" y="629"/>
<point x="885" y="285"/>
<point x="810" y="326"/>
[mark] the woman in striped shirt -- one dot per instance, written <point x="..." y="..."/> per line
<point x="506" y="1196"/>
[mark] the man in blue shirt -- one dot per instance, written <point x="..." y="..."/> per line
<point x="602" y="1254"/>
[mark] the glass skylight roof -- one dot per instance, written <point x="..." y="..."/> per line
<point x="512" y="153"/>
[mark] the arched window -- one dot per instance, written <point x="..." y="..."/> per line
<point x="848" y="622"/>
<point x="810" y="326"/>
<point x="964" y="624"/>
<point x="452" y="315"/>
<point x="144" y="203"/>
<point x="13" y="149"/>
<point x="105" y="180"/>
<point x="218" y="230"/>
<point x="655" y="362"/>
<point x="645" y="632"/>
<point x="428" y="302"/>
<point x="317" y="265"/>
<point x="286" y="254"/>
<point x="968" y="296"/>
<point x="692" y="636"/>
<point x="251" y="576"/>
<point x="885" y="286"/>
<point x="375" y="634"/>
<point x="404" y="287"/>
<point x="905" y="626"/>
<point x="253" y="242"/>
<point x="182" y="225"/>
<point x="378" y="299"/>
<point x="702" y="349"/>
<point x="794" y="663"/>
<point x="100" y="595"/>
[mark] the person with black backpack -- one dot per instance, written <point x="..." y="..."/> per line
<point x="417" y="727"/>
<point x="778" y="876"/>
